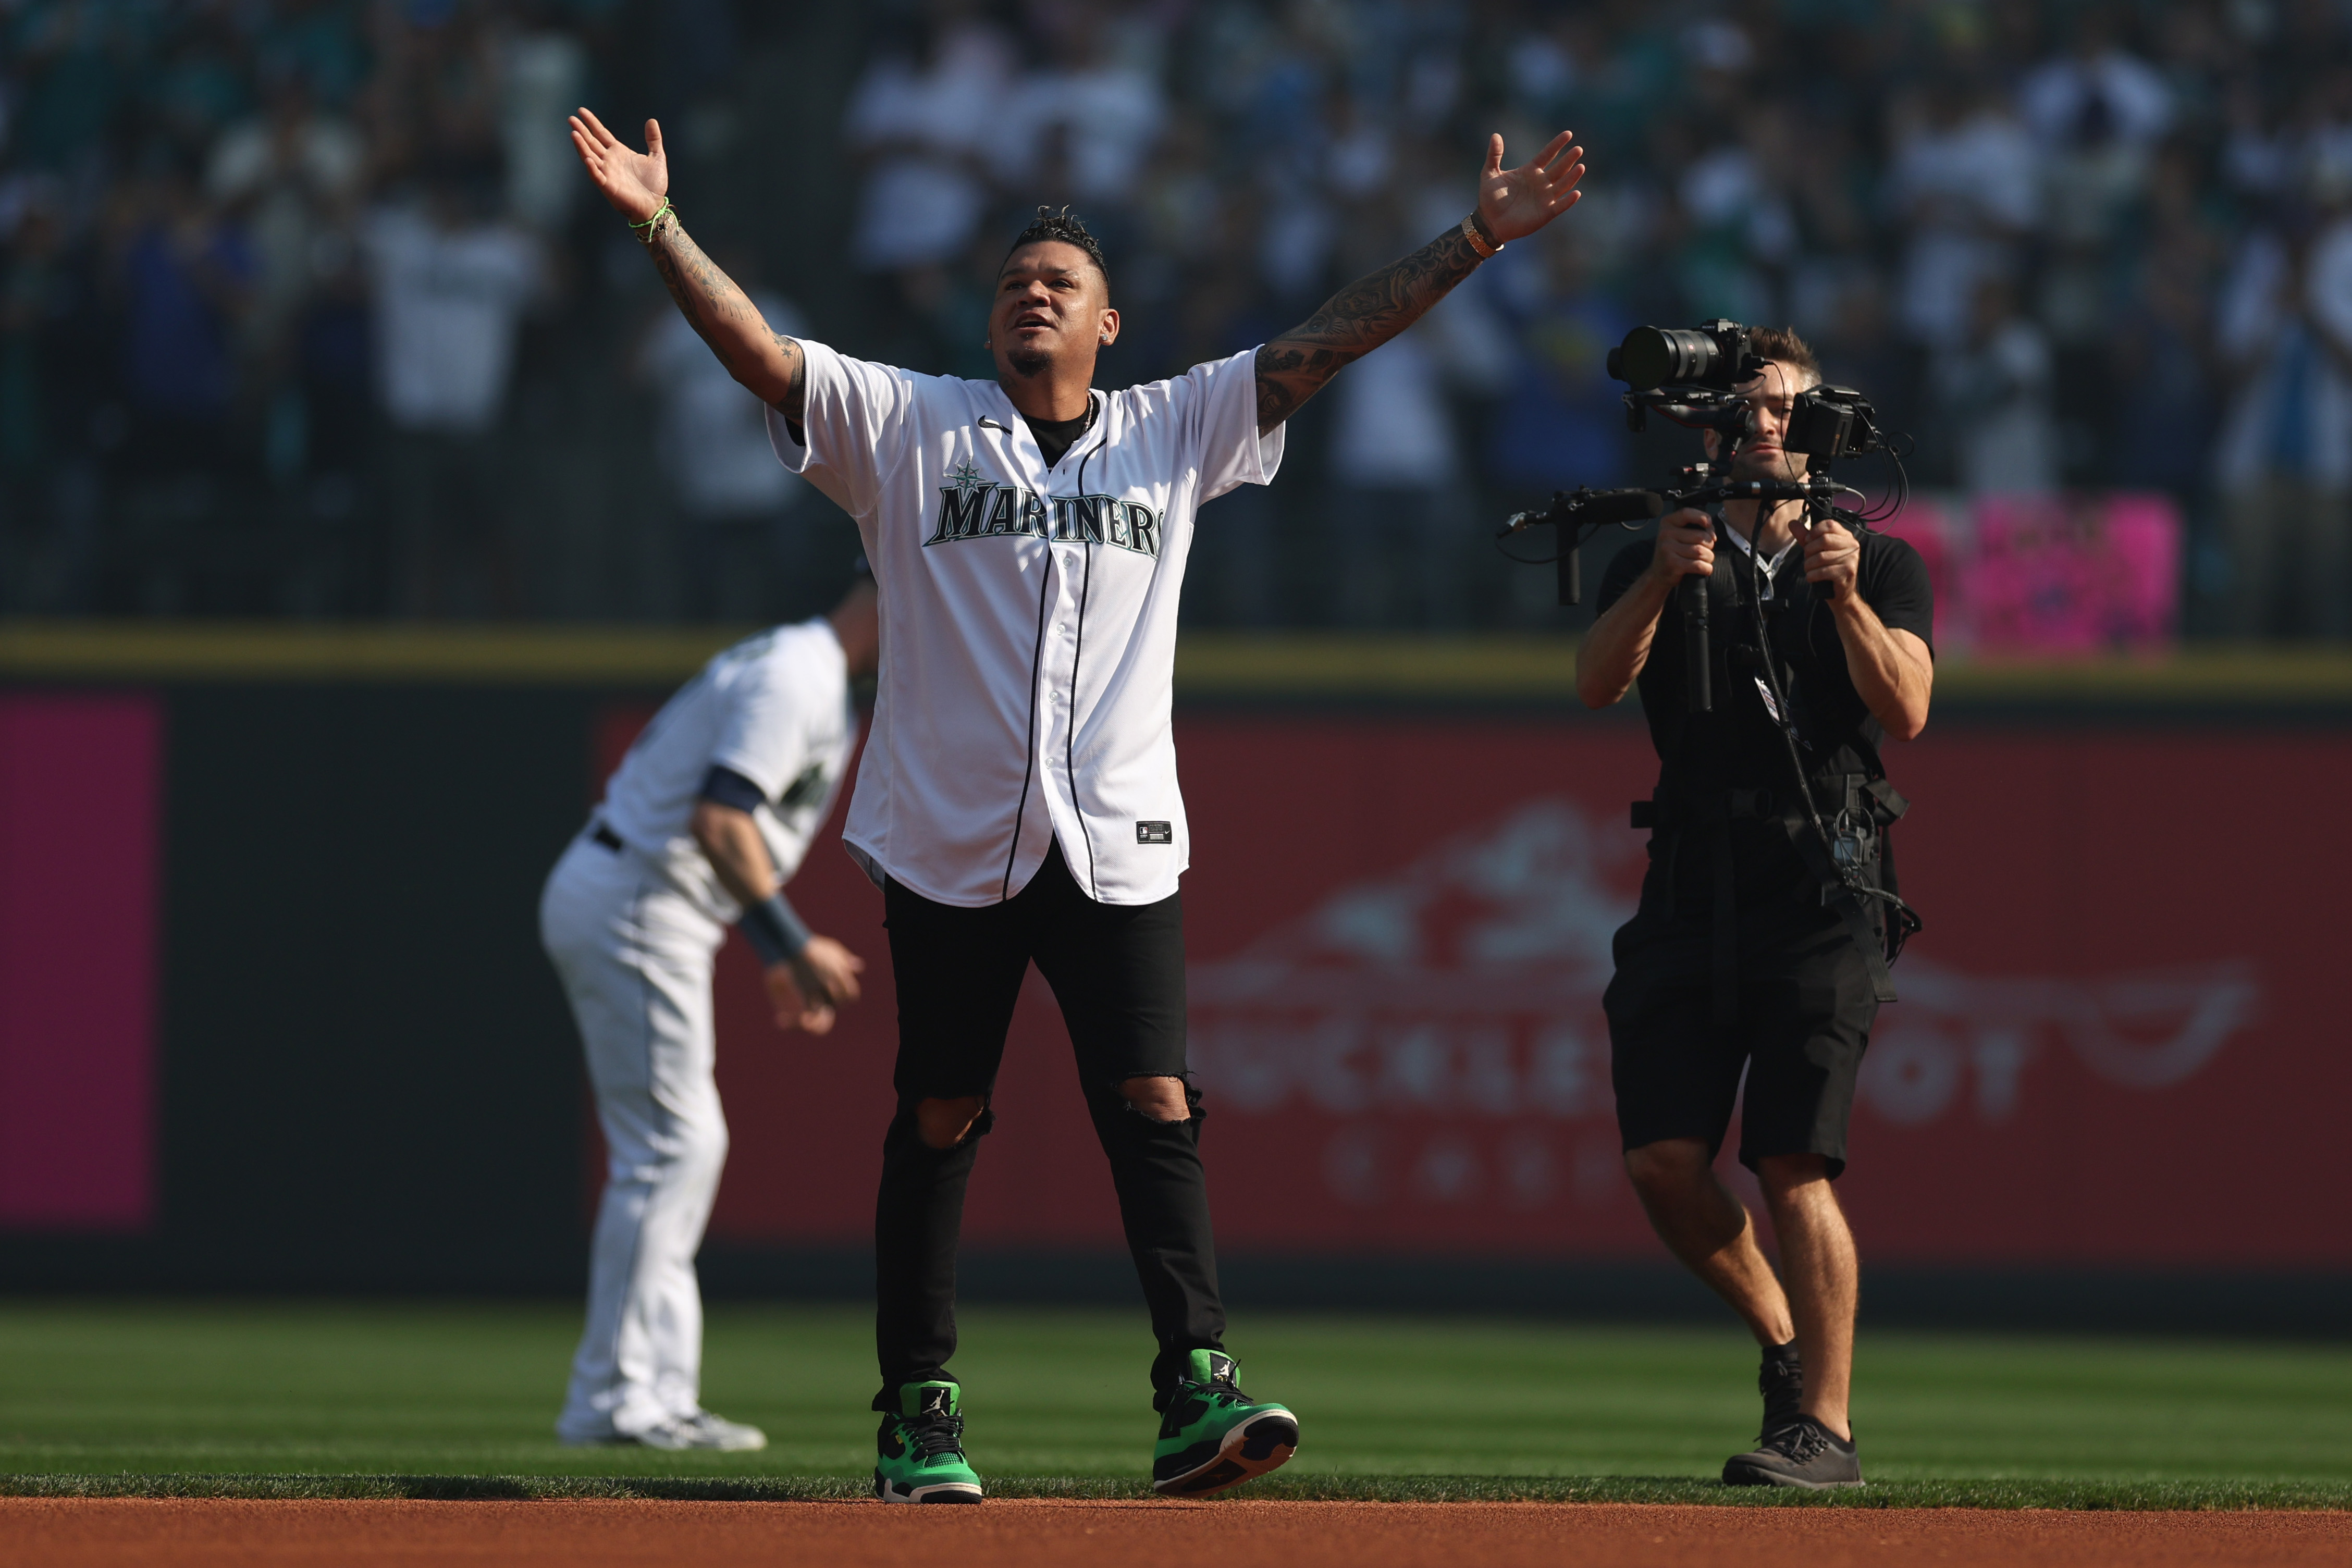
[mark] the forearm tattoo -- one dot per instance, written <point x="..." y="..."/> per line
<point x="721" y="313"/>
<point x="1354" y="321"/>
<point x="794" y="405"/>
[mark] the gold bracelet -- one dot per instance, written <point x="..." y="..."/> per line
<point x="1479" y="241"/>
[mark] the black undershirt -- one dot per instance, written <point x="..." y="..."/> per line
<point x="1056" y="436"/>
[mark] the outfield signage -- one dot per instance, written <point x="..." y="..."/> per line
<point x="2116" y="1043"/>
<point x="1396" y="1014"/>
<point x="80" y="824"/>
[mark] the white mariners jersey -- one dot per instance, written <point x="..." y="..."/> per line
<point x="1028" y="617"/>
<point x="774" y="709"/>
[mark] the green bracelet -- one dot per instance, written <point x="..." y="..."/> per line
<point x="649" y="225"/>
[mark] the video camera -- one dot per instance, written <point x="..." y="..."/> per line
<point x="1712" y="354"/>
<point x="1691" y="375"/>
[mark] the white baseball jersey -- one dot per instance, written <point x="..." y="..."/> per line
<point x="1028" y="617"/>
<point x="774" y="709"/>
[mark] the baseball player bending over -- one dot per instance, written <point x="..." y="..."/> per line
<point x="1017" y="803"/>
<point x="700" y="826"/>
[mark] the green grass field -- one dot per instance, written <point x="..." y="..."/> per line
<point x="157" y="1390"/>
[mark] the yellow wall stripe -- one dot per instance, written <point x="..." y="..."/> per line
<point x="1208" y="663"/>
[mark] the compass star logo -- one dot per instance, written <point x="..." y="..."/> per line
<point x="967" y="477"/>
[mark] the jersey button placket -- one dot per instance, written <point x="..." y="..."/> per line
<point x="1055" y="669"/>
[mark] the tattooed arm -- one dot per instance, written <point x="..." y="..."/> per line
<point x="768" y="362"/>
<point x="1353" y="322"/>
<point x="1512" y="204"/>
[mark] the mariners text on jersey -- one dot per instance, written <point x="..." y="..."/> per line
<point x="973" y="509"/>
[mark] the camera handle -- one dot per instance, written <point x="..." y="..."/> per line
<point x="1574" y="513"/>
<point x="1698" y="694"/>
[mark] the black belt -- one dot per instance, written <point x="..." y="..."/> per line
<point x="604" y="838"/>
<point x="1665" y="813"/>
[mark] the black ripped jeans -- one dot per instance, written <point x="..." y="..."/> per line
<point x="1118" y="971"/>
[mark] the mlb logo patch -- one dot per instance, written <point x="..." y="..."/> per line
<point x="1155" y="832"/>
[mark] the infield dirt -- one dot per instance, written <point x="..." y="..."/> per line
<point x="86" y="1533"/>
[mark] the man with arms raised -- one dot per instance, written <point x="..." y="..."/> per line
<point x="1734" y="962"/>
<point x="1017" y="801"/>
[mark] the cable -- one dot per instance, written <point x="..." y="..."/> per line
<point x="1578" y="535"/>
<point x="1904" y="922"/>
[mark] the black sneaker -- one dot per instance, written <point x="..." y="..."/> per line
<point x="1801" y="1454"/>
<point x="1781" y="1381"/>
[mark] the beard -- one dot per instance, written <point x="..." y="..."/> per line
<point x="1028" y="362"/>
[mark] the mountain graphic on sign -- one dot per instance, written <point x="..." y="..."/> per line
<point x="1470" y="979"/>
<point x="1514" y="915"/>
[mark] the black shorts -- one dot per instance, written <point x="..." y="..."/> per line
<point x="1805" y="1010"/>
<point x="1117" y="969"/>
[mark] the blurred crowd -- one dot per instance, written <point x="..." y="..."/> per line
<point x="265" y="271"/>
<point x="277" y="276"/>
<point x="2086" y="246"/>
<point x="303" y="312"/>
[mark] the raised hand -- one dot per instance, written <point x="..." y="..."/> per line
<point x="1376" y="307"/>
<point x="1515" y="203"/>
<point x="634" y="182"/>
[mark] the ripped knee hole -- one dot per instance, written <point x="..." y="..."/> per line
<point x="1157" y="1097"/>
<point x="944" y="1123"/>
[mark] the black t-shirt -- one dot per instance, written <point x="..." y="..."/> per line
<point x="1737" y="746"/>
<point x="1056" y="436"/>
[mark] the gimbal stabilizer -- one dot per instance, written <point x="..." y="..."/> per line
<point x="1581" y="510"/>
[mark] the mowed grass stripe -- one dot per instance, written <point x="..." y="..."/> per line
<point x="124" y="1393"/>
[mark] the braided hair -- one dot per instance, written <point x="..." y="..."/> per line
<point x="1068" y="228"/>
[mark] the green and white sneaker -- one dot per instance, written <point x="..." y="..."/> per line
<point x="1214" y="1435"/>
<point x="919" y="1450"/>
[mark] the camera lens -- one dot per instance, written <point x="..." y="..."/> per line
<point x="1659" y="356"/>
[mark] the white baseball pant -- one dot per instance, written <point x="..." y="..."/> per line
<point x="636" y="960"/>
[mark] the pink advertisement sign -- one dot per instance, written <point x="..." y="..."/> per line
<point x="80" y="824"/>
<point x="2050" y="576"/>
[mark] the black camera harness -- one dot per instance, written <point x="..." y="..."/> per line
<point x="1840" y="860"/>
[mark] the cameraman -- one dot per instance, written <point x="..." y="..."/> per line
<point x="1733" y="961"/>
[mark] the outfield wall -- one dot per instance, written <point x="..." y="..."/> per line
<point x="2118" y="1042"/>
<point x="272" y="1015"/>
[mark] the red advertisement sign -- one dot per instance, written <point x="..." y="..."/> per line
<point x="2118" y="1043"/>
